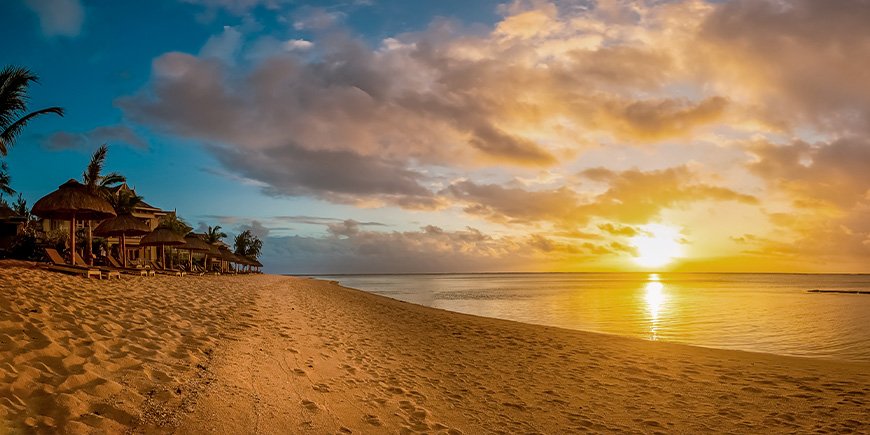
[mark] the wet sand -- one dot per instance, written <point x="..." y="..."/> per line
<point x="270" y="354"/>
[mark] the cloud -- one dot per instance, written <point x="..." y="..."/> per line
<point x="239" y="7"/>
<point x="59" y="17"/>
<point x="90" y="140"/>
<point x="419" y="103"/>
<point x="349" y="249"/>
<point x="311" y="18"/>
<point x="224" y="46"/>
<point x="631" y="196"/>
<point x="570" y="123"/>
<point x="297" y="44"/>
<point x="803" y="58"/>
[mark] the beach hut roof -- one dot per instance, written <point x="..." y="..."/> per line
<point x="162" y="236"/>
<point x="73" y="198"/>
<point x="122" y="224"/>
<point x="6" y="212"/>
<point x="194" y="243"/>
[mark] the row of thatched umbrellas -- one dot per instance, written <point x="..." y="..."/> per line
<point x="72" y="201"/>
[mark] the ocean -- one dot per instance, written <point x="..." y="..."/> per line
<point x="772" y="313"/>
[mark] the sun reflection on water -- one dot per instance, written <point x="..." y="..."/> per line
<point x="655" y="298"/>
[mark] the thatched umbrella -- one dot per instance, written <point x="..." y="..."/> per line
<point x="122" y="225"/>
<point x="162" y="237"/>
<point x="72" y="201"/>
<point x="194" y="243"/>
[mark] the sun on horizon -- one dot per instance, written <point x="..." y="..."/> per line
<point x="657" y="245"/>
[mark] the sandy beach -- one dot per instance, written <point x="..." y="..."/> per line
<point x="271" y="354"/>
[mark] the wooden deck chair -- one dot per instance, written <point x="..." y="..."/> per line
<point x="59" y="265"/>
<point x="162" y="271"/>
<point x="110" y="273"/>
<point x="131" y="270"/>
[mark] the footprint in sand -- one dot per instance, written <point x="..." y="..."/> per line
<point x="372" y="420"/>
<point x="309" y="405"/>
<point x="321" y="388"/>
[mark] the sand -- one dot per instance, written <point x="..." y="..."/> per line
<point x="270" y="354"/>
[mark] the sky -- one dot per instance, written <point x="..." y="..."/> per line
<point x="390" y="136"/>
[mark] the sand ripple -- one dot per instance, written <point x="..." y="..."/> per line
<point x="84" y="356"/>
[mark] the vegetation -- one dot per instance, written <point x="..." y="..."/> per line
<point x="248" y="245"/>
<point x="175" y="224"/>
<point x="93" y="178"/>
<point x="99" y="184"/>
<point x="124" y="202"/>
<point x="5" y="181"/>
<point x="214" y="234"/>
<point x="13" y="104"/>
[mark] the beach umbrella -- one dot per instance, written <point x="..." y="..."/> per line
<point x="162" y="237"/>
<point x="72" y="201"/>
<point x="122" y="225"/>
<point x="194" y="243"/>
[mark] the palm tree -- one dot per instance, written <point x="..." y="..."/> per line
<point x="125" y="201"/>
<point x="175" y="224"/>
<point x="248" y="245"/>
<point x="94" y="179"/>
<point x="214" y="234"/>
<point x="5" y="181"/>
<point x="20" y="207"/>
<point x="13" y="104"/>
<point x="99" y="184"/>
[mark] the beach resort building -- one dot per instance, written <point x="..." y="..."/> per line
<point x="148" y="213"/>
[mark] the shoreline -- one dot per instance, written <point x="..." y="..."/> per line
<point x="604" y="334"/>
<point x="276" y="354"/>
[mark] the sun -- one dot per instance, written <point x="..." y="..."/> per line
<point x="657" y="245"/>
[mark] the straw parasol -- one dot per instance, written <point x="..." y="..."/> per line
<point x="162" y="237"/>
<point x="72" y="201"/>
<point x="194" y="243"/>
<point x="122" y="225"/>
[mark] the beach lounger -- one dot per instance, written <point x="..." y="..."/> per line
<point x="160" y="270"/>
<point x="59" y="265"/>
<point x="110" y="273"/>
<point x="131" y="270"/>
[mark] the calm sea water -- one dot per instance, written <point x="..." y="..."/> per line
<point x="771" y="313"/>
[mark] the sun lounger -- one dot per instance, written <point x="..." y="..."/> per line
<point x="174" y="272"/>
<point x="110" y="273"/>
<point x="130" y="270"/>
<point x="59" y="265"/>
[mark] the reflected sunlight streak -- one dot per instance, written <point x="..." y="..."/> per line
<point x="655" y="298"/>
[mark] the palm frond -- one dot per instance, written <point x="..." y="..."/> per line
<point x="7" y="137"/>
<point x="91" y="176"/>
<point x="13" y="92"/>
<point x="112" y="179"/>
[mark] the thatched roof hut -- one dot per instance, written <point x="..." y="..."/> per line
<point x="72" y="200"/>
<point x="124" y="224"/>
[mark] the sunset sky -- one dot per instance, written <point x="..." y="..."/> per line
<point x="450" y="136"/>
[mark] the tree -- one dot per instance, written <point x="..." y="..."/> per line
<point x="5" y="181"/>
<point x="20" y="207"/>
<point x="99" y="184"/>
<point x="175" y="224"/>
<point x="248" y="245"/>
<point x="214" y="234"/>
<point x="93" y="178"/>
<point x="13" y="104"/>
<point x="125" y="201"/>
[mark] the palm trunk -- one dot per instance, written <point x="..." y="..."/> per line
<point x="88" y="254"/>
<point x="72" y="239"/>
